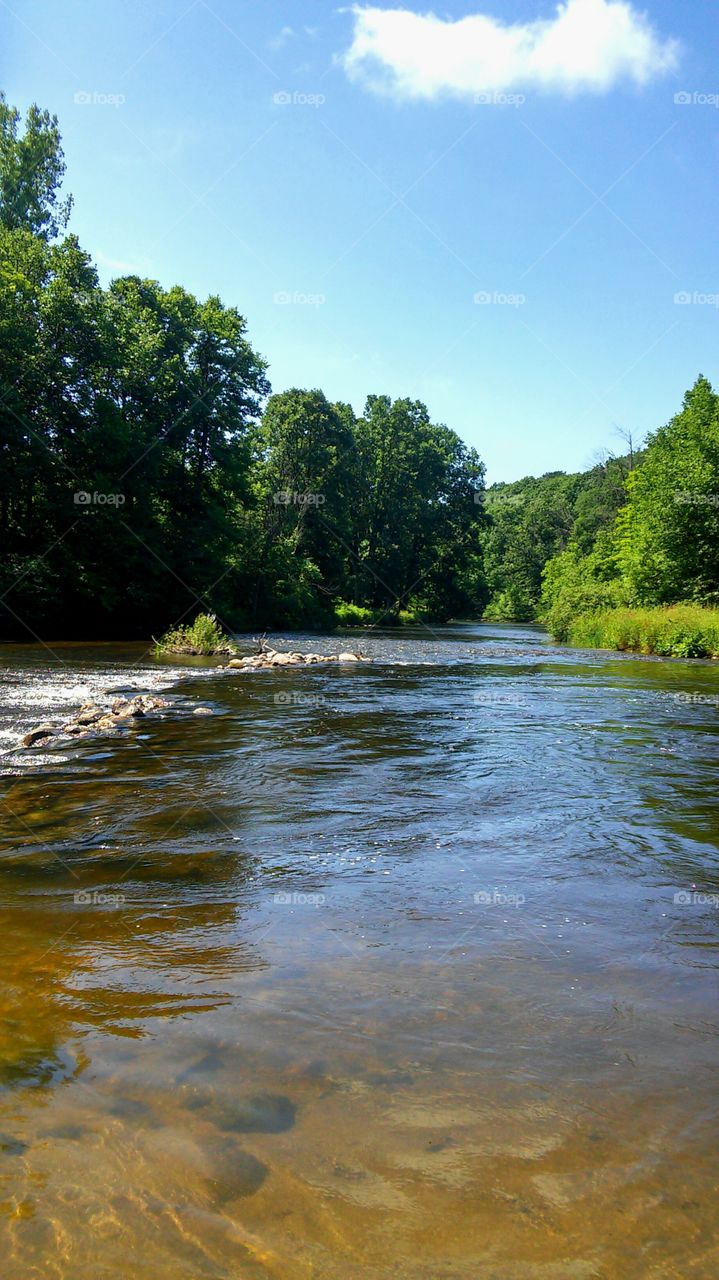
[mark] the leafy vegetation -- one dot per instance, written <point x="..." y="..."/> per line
<point x="676" y="631"/>
<point x="661" y="549"/>
<point x="533" y="520"/>
<point x="202" y="637"/>
<point x="146" y="473"/>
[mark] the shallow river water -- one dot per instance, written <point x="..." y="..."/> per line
<point x="402" y="970"/>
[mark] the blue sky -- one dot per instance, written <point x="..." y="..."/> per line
<point x="353" y="180"/>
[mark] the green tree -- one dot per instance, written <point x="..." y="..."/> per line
<point x="305" y="467"/>
<point x="418" y="511"/>
<point x="32" y="167"/>
<point x="669" y="530"/>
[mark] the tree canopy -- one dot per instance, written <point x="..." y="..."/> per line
<point x="147" y="473"/>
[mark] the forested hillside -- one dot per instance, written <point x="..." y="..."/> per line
<point x="532" y="520"/>
<point x="661" y="549"/>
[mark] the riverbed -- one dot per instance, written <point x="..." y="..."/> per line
<point x="405" y="969"/>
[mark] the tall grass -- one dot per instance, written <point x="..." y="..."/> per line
<point x="677" y="631"/>
<point x="202" y="637"/>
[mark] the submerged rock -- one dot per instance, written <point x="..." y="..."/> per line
<point x="261" y="1113"/>
<point x="10" y="1146"/>
<point x="233" y="1172"/>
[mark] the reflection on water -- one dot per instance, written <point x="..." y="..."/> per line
<point x="400" y="971"/>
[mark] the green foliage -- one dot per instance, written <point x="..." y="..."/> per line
<point x="203" y="637"/>
<point x="353" y="615"/>
<point x="356" y="615"/>
<point x="575" y="584"/>
<point x="31" y="171"/>
<point x="534" y="520"/>
<point x="677" y="631"/>
<point x="126" y="416"/>
<point x="144" y="473"/>
<point x="417" y="514"/>
<point x="668" y="534"/>
<point x="663" y="548"/>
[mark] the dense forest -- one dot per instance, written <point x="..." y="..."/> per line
<point x="147" y="473"/>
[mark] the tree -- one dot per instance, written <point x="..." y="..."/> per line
<point x="419" y="496"/>
<point x="140" y="480"/>
<point x="669" y="530"/>
<point x="306" y="475"/>
<point x="32" y="167"/>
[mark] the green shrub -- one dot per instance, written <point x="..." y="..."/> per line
<point x="409" y="617"/>
<point x="356" y="615"/>
<point x="201" y="637"/>
<point x="352" y="615"/>
<point x="510" y="605"/>
<point x="574" y="585"/>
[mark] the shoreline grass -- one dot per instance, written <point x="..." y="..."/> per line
<point x="356" y="615"/>
<point x="672" y="631"/>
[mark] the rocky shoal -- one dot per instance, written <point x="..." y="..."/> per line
<point x="92" y="719"/>
<point x="274" y="658"/>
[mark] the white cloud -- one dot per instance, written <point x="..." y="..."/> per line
<point x="120" y="267"/>
<point x="587" y="45"/>
<point x="281" y="38"/>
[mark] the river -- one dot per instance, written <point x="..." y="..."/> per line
<point x="396" y="970"/>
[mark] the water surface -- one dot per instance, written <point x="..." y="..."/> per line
<point x="398" y="970"/>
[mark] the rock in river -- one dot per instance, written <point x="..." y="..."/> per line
<point x="260" y="1113"/>
<point x="42" y="734"/>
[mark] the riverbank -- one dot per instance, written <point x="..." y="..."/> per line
<point x="676" y="631"/>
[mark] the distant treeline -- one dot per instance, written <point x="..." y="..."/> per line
<point x="147" y="474"/>
<point x="635" y="531"/>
